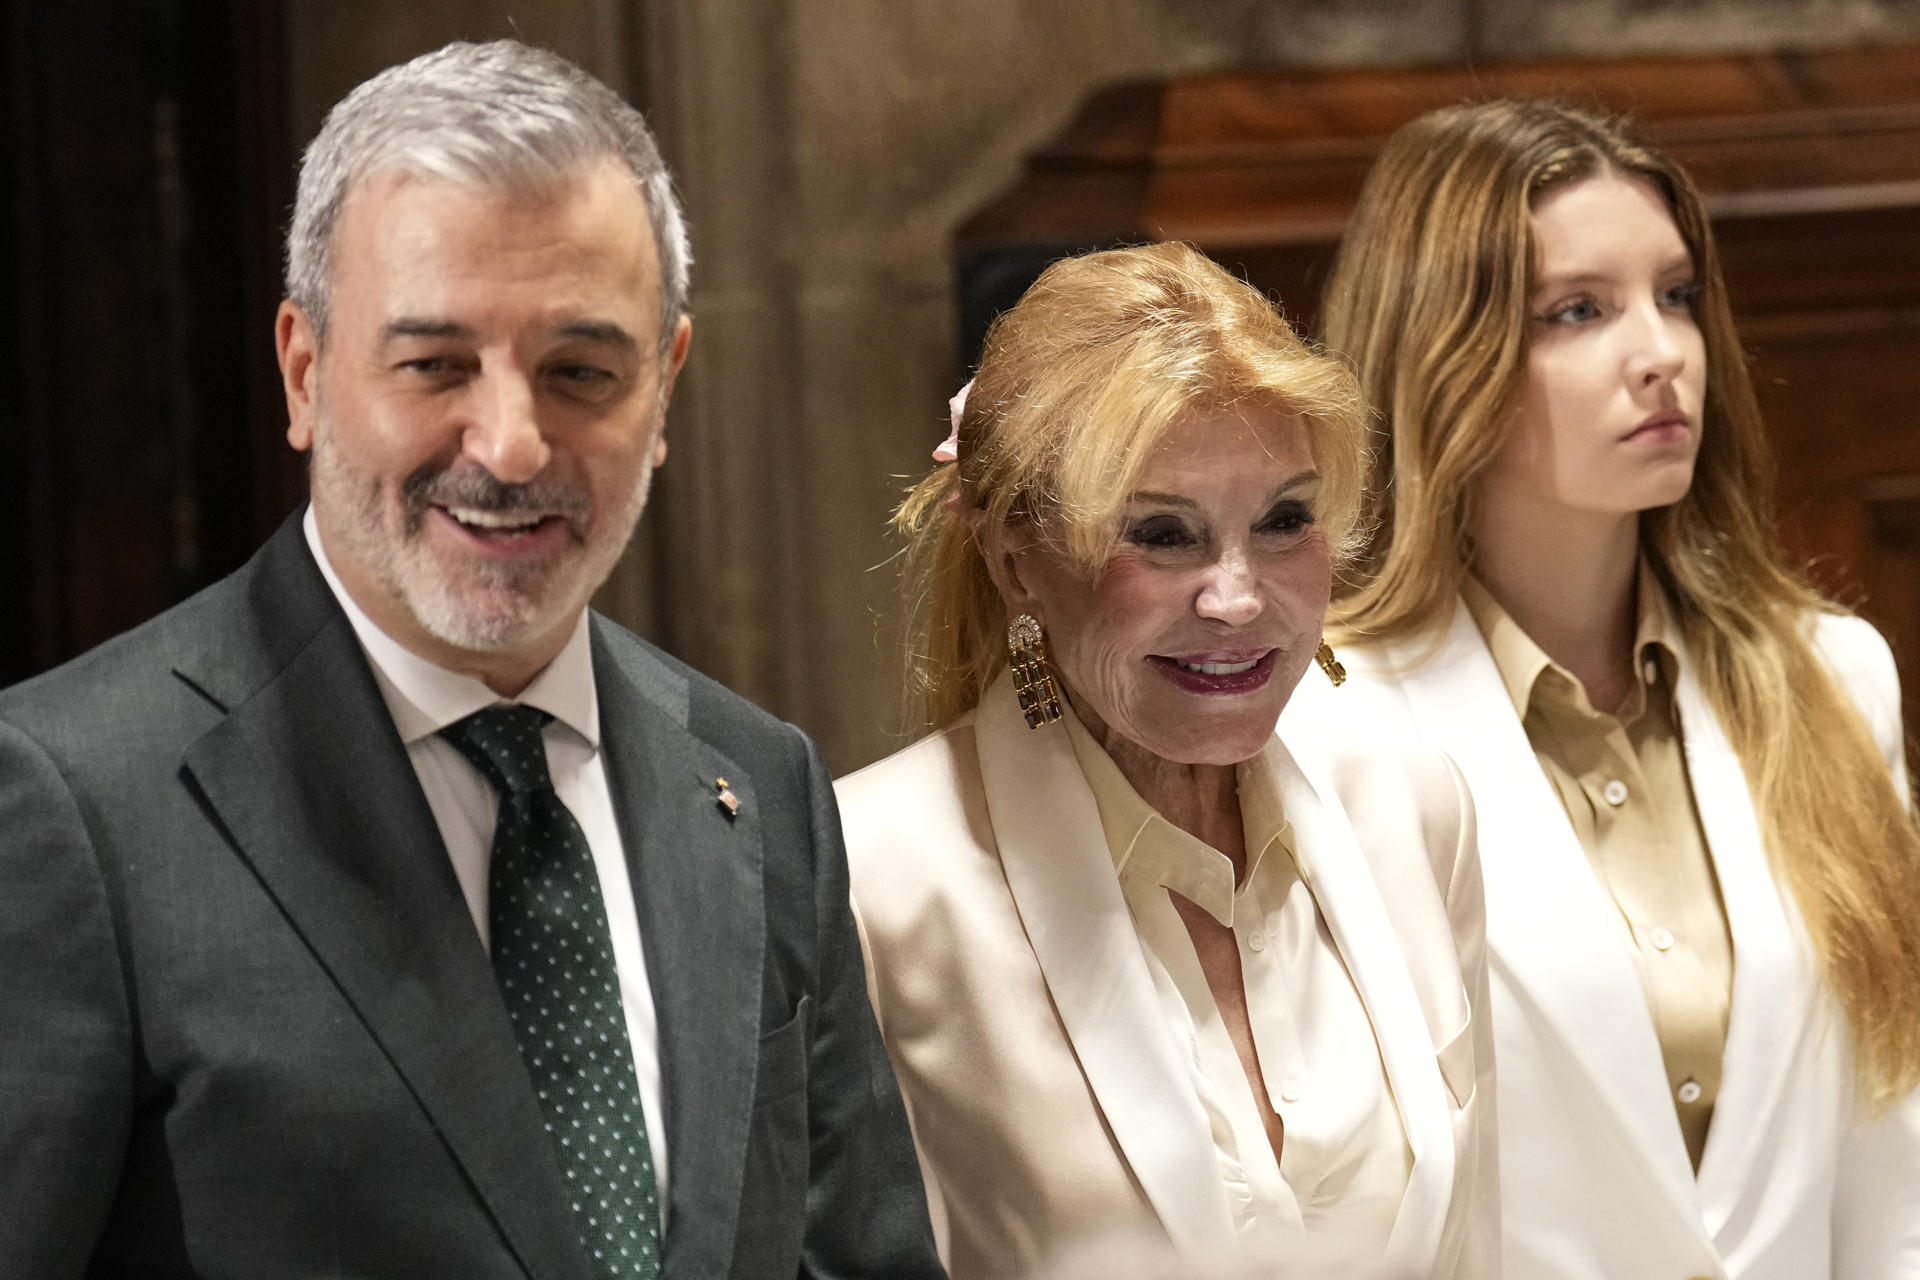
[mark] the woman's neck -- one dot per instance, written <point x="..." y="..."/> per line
<point x="1570" y="584"/>
<point x="1202" y="800"/>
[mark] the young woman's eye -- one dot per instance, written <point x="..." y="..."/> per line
<point x="1159" y="533"/>
<point x="1287" y="518"/>
<point x="1572" y="311"/>
<point x="1682" y="295"/>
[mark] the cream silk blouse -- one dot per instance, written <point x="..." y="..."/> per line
<point x="1344" y="1161"/>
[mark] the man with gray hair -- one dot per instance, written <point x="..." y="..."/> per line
<point x="382" y="911"/>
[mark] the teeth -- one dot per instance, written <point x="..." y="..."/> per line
<point x="1219" y="668"/>
<point x="494" y="519"/>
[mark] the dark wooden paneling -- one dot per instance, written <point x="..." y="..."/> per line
<point x="145" y="165"/>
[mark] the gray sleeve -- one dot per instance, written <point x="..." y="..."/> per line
<point x="66" y="1066"/>
<point x="866" y="1210"/>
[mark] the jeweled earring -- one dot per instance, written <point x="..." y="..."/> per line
<point x="1336" y="674"/>
<point x="1032" y="675"/>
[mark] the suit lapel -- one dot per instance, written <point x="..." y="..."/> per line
<point x="1554" y="940"/>
<point x="1061" y="876"/>
<point x="1336" y="871"/>
<point x="699" y="893"/>
<point x="1773" y="987"/>
<point x="309" y="779"/>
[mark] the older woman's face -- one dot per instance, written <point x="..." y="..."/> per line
<point x="1188" y="641"/>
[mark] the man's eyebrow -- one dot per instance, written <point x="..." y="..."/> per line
<point x="421" y="327"/>
<point x="605" y="332"/>
<point x="602" y="331"/>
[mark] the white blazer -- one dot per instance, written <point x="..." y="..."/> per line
<point x="1049" y="1098"/>
<point x="1596" y="1183"/>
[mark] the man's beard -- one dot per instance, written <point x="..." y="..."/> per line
<point x="472" y="603"/>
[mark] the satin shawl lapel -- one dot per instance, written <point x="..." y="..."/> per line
<point x="698" y="890"/>
<point x="1062" y="880"/>
<point x="1554" y="937"/>
<point x="310" y="782"/>
<point x="1772" y="996"/>
<point x="1330" y="860"/>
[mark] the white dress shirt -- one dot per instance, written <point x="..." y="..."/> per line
<point x="424" y="699"/>
<point x="1344" y="1160"/>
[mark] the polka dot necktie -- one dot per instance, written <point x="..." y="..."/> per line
<point x="553" y="959"/>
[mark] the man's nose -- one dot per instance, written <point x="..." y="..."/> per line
<point x="1230" y="592"/>
<point x="505" y="435"/>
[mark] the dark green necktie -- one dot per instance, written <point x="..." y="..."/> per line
<point x="553" y="959"/>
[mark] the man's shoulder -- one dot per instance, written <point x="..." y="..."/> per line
<point x="201" y="654"/>
<point x="695" y="701"/>
<point x="113" y="683"/>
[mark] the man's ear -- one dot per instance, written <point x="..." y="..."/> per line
<point x="298" y="349"/>
<point x="675" y="361"/>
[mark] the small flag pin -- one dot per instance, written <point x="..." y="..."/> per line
<point x="724" y="794"/>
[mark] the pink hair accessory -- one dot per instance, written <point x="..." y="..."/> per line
<point x="948" y="450"/>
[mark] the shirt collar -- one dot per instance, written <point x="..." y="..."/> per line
<point x="424" y="698"/>
<point x="1521" y="662"/>
<point x="1142" y="843"/>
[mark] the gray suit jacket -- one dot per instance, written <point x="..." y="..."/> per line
<point x="247" y="1028"/>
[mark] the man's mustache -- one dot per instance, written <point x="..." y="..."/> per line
<point x="477" y="488"/>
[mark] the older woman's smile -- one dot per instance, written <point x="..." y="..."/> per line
<point x="1215" y="674"/>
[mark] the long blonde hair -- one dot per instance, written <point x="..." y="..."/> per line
<point x="1429" y="300"/>
<point x="1076" y="384"/>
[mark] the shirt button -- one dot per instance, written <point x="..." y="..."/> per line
<point x="1662" y="939"/>
<point x="1688" y="1092"/>
<point x="1290" y="1091"/>
<point x="1257" y="940"/>
<point x="1615" y="793"/>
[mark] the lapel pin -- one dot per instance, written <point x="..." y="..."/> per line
<point x="729" y="802"/>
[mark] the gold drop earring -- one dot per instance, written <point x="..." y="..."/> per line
<point x="1336" y="674"/>
<point x="1033" y="682"/>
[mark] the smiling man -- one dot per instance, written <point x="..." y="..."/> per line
<point x="384" y="912"/>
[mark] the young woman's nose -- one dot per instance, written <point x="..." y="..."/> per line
<point x="1659" y="349"/>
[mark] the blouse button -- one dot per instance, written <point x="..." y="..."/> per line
<point x="1615" y="793"/>
<point x="1661" y="938"/>
<point x="1257" y="940"/>
<point x="1688" y="1092"/>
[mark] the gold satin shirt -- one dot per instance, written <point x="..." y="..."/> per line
<point x="1622" y="779"/>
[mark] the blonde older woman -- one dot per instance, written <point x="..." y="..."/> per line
<point x="1703" y="889"/>
<point x="1135" y="967"/>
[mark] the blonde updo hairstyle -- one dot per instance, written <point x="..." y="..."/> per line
<point x="1077" y="383"/>
<point x="1429" y="298"/>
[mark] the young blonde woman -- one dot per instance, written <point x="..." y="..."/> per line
<point x="1135" y="972"/>
<point x="1703" y="886"/>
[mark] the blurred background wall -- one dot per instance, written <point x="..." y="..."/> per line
<point x="826" y="151"/>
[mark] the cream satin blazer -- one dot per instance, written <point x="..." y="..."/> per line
<point x="1596" y="1180"/>
<point x="1050" y="1100"/>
